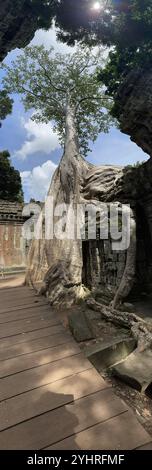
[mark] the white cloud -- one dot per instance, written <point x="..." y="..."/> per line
<point x="36" y="182"/>
<point x="40" y="138"/>
<point x="48" y="39"/>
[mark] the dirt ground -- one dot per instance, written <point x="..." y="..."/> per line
<point x="141" y="403"/>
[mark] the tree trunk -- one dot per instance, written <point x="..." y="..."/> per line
<point x="58" y="262"/>
<point x="62" y="258"/>
<point x="128" y="277"/>
<point x="140" y="329"/>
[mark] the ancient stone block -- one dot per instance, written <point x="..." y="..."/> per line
<point x="79" y="326"/>
<point x="105" y="354"/>
<point x="136" y="370"/>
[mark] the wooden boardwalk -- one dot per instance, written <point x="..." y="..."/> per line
<point x="51" y="397"/>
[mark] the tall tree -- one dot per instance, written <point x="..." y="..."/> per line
<point x="10" y="180"/>
<point x="6" y="104"/>
<point x="64" y="89"/>
<point x="127" y="26"/>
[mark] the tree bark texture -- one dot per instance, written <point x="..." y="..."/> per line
<point x="58" y="263"/>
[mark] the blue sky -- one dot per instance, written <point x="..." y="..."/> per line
<point x="35" y="149"/>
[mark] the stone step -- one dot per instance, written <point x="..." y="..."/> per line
<point x="136" y="370"/>
<point x="106" y="354"/>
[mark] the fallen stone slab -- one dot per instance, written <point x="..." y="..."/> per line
<point x="105" y="354"/>
<point x="136" y="370"/>
<point x="79" y="326"/>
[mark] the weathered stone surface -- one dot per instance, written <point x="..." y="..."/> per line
<point x="136" y="370"/>
<point x="100" y="181"/>
<point x="79" y="326"/>
<point x="93" y="263"/>
<point x="13" y="246"/>
<point x="103" y="354"/>
<point x="140" y="330"/>
<point x="127" y="307"/>
<point x="134" y="107"/>
<point x="17" y="25"/>
<point x="19" y="19"/>
<point x="68" y="266"/>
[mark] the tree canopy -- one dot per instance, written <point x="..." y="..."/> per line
<point x="124" y="25"/>
<point x="6" y="104"/>
<point x="131" y="54"/>
<point x="42" y="11"/>
<point x="112" y="22"/>
<point x="10" y="180"/>
<point x="47" y="80"/>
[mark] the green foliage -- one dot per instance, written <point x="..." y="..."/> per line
<point x="122" y="62"/>
<point x="133" y="50"/>
<point x="126" y="25"/>
<point x="45" y="80"/>
<point x="42" y="11"/>
<point x="10" y="180"/>
<point x="5" y="105"/>
<point x="118" y="22"/>
<point x="135" y="165"/>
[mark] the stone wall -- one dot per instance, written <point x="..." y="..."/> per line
<point x="13" y="248"/>
<point x="133" y="107"/>
<point x="65" y="267"/>
<point x="17" y="25"/>
<point x="101" y="265"/>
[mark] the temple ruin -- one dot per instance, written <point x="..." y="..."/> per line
<point x="13" y="247"/>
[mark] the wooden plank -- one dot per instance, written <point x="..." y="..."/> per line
<point x="23" y="326"/>
<point x="18" y="303"/>
<point x="36" y="345"/>
<point x="42" y="375"/>
<point x="35" y="313"/>
<point x="22" y="302"/>
<point x="16" y="288"/>
<point x="7" y="297"/>
<point x="52" y="397"/>
<point x="32" y="335"/>
<point x="31" y="304"/>
<point x="37" y="402"/>
<point x="30" y="361"/>
<point x="18" y="299"/>
<point x="25" y="313"/>
<point x="121" y="432"/>
<point x="62" y="422"/>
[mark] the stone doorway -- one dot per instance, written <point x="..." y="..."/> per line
<point x="141" y="294"/>
<point x="101" y="265"/>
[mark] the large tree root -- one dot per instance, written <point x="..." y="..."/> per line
<point x="128" y="277"/>
<point x="59" y="287"/>
<point x="140" y="330"/>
